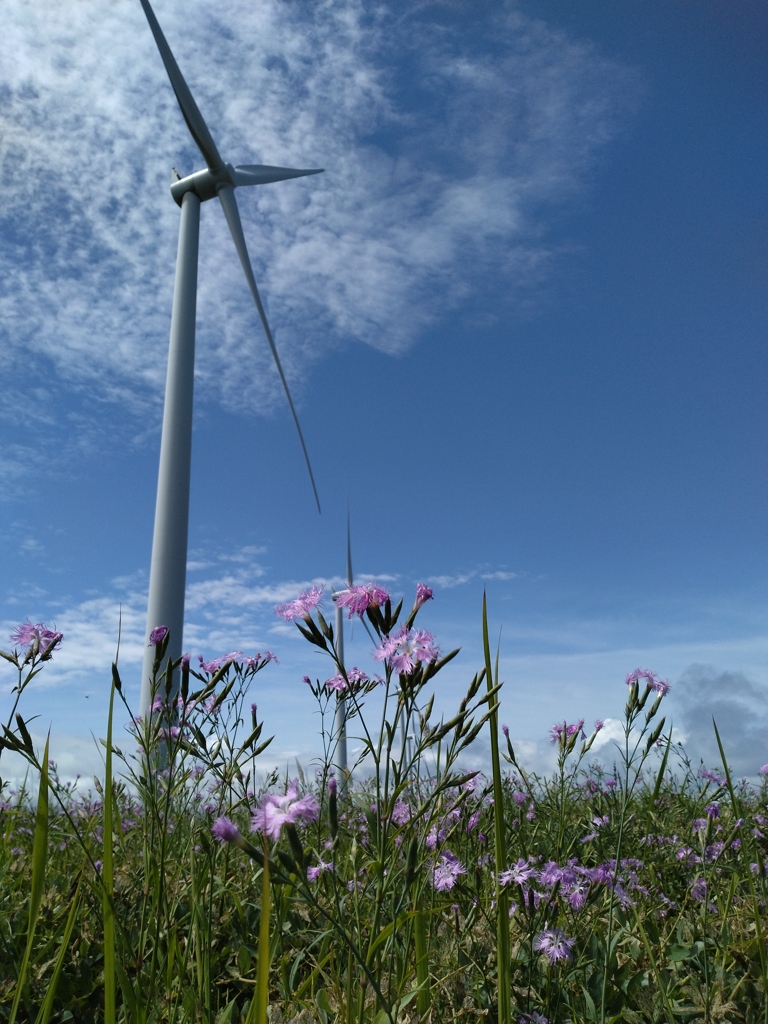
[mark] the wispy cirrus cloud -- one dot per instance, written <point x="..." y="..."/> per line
<point x="445" y="145"/>
<point x="230" y="600"/>
<point x="450" y="580"/>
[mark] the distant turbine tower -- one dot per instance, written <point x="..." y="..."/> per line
<point x="168" y="570"/>
<point x="340" y="729"/>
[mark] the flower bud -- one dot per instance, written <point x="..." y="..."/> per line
<point x="410" y="862"/>
<point x="295" y="843"/>
<point x="333" y="807"/>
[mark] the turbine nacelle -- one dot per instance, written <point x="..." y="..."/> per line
<point x="207" y="184"/>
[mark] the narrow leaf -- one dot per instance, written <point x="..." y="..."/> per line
<point x="39" y="856"/>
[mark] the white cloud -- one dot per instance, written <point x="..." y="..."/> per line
<point x="77" y="759"/>
<point x="449" y="581"/>
<point x="441" y="142"/>
<point x="611" y="734"/>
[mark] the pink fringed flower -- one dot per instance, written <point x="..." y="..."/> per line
<point x="211" y="667"/>
<point x="519" y="874"/>
<point x="225" y="830"/>
<point x="406" y="647"/>
<point x="158" y="634"/>
<point x="359" y="599"/>
<point x="556" y="732"/>
<point x="276" y="811"/>
<point x="446" y="871"/>
<point x="26" y="633"/>
<point x="660" y="686"/>
<point x="301" y="606"/>
<point x="314" y="873"/>
<point x="554" y="945"/>
<point x="355" y="676"/>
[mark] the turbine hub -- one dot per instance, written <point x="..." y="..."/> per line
<point x="205" y="184"/>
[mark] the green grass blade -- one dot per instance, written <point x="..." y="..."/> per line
<point x="424" y="996"/>
<point x="662" y="768"/>
<point x="502" y="899"/>
<point x="39" y="856"/>
<point x="107" y="877"/>
<point x="47" y="1008"/>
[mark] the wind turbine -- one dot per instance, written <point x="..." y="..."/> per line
<point x="168" y="570"/>
<point x="340" y="723"/>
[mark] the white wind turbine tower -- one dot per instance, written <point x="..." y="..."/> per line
<point x="219" y="180"/>
<point x="340" y="724"/>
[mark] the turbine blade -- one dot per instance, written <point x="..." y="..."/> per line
<point x="349" y="552"/>
<point x="263" y="174"/>
<point x="197" y="126"/>
<point x="231" y="212"/>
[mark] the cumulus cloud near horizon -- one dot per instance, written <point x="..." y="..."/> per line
<point x="444" y="150"/>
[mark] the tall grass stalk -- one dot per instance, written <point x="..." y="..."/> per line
<point x="633" y="756"/>
<point x="258" y="1011"/>
<point x="39" y="859"/>
<point x="499" y="833"/>
<point x="107" y="872"/>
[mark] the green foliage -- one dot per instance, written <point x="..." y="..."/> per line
<point x="634" y="894"/>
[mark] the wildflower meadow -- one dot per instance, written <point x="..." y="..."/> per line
<point x="193" y="885"/>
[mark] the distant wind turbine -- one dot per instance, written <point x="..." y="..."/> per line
<point x="340" y="724"/>
<point x="168" y="570"/>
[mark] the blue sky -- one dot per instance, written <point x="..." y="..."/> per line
<point x="522" y="314"/>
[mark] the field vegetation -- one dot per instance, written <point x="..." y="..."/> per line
<point x="191" y="886"/>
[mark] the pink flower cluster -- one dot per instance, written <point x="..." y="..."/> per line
<point x="301" y="606"/>
<point x="557" y="730"/>
<point x="660" y="686"/>
<point x="359" y="599"/>
<point x="213" y="666"/>
<point x="356" y="679"/>
<point x="273" y="812"/>
<point x="276" y="811"/>
<point x="573" y="880"/>
<point x="554" y="945"/>
<point x="446" y="871"/>
<point x="405" y="648"/>
<point x="26" y="633"/>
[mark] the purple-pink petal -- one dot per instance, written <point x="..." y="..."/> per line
<point x="27" y="632"/>
<point x="405" y="648"/>
<point x="225" y="830"/>
<point x="301" y="606"/>
<point x="158" y="634"/>
<point x="360" y="598"/>
<point x="288" y="809"/>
